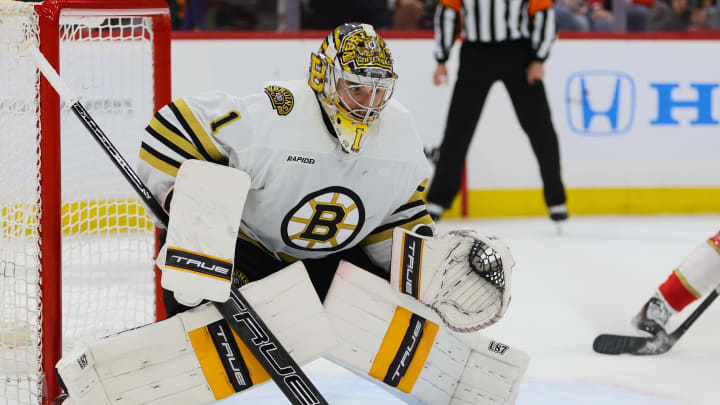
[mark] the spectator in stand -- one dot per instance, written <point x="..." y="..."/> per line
<point x="328" y="14"/>
<point x="601" y="15"/>
<point x="242" y="15"/>
<point x="703" y="16"/>
<point x="175" y="13"/>
<point x="571" y="15"/>
<point x="194" y="15"/>
<point x="637" y="14"/>
<point x="577" y="15"/>
<point x="413" y="14"/>
<point x="714" y="15"/>
<point x="669" y="15"/>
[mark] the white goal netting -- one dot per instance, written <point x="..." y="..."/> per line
<point x="107" y="239"/>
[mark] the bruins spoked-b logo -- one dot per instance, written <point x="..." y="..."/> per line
<point x="325" y="220"/>
<point x="281" y="99"/>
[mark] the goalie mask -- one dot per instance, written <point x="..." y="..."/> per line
<point x="352" y="76"/>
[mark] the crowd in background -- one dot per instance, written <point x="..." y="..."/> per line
<point x="641" y="15"/>
<point x="571" y="15"/>
<point x="310" y="14"/>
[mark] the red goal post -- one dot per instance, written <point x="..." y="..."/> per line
<point x="76" y="246"/>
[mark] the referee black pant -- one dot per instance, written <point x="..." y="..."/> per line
<point x="481" y="64"/>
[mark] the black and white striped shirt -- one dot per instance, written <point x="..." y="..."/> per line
<point x="495" y="21"/>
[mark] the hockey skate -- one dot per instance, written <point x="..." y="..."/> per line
<point x="558" y="212"/>
<point x="653" y="317"/>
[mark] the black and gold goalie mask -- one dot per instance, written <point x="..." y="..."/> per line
<point x="352" y="75"/>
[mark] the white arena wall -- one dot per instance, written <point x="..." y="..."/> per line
<point x="642" y="137"/>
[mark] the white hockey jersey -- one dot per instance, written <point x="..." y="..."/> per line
<point x="307" y="198"/>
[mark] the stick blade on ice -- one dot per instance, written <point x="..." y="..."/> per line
<point x="620" y="344"/>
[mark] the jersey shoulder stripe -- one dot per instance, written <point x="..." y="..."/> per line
<point x="197" y="132"/>
<point x="173" y="141"/>
<point x="158" y="161"/>
<point x="163" y="126"/>
<point x="384" y="232"/>
<point x="409" y="205"/>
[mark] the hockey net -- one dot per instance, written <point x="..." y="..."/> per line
<point x="73" y="235"/>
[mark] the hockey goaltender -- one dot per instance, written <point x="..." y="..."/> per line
<point x="310" y="194"/>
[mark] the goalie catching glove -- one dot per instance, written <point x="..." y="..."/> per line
<point x="462" y="275"/>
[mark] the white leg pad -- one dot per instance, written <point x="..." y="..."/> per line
<point x="193" y="358"/>
<point x="205" y="212"/>
<point x="400" y="344"/>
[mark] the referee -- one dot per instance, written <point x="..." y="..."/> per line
<point x="505" y="40"/>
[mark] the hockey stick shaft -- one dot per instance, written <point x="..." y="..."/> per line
<point x="237" y="311"/>
<point x="695" y="314"/>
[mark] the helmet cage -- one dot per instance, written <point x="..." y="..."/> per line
<point x="369" y="95"/>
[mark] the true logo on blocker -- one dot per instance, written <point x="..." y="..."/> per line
<point x="600" y="102"/>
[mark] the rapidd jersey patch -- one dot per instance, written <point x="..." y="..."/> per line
<point x="282" y="99"/>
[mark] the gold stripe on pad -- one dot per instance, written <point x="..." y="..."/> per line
<point x="257" y="372"/>
<point x="391" y="343"/>
<point x="210" y="363"/>
<point x="199" y="131"/>
<point x="421" y="354"/>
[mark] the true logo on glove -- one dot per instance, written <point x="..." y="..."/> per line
<point x="411" y="262"/>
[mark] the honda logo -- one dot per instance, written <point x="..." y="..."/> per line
<point x="600" y="102"/>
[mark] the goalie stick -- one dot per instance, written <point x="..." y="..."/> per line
<point x="658" y="344"/>
<point x="237" y="311"/>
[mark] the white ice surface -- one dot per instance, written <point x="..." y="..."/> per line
<point x="567" y="288"/>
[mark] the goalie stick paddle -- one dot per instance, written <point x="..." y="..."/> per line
<point x="658" y="344"/>
<point x="237" y="311"/>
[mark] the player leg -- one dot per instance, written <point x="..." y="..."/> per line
<point x="395" y="341"/>
<point x="696" y="275"/>
<point x="533" y="113"/>
<point x="194" y="357"/>
<point x="475" y="76"/>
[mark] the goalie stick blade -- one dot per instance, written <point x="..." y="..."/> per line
<point x="620" y="344"/>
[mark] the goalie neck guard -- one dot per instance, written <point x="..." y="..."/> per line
<point x="352" y="76"/>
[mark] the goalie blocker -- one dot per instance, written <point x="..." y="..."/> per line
<point x="195" y="357"/>
<point x="396" y="342"/>
<point x="197" y="258"/>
